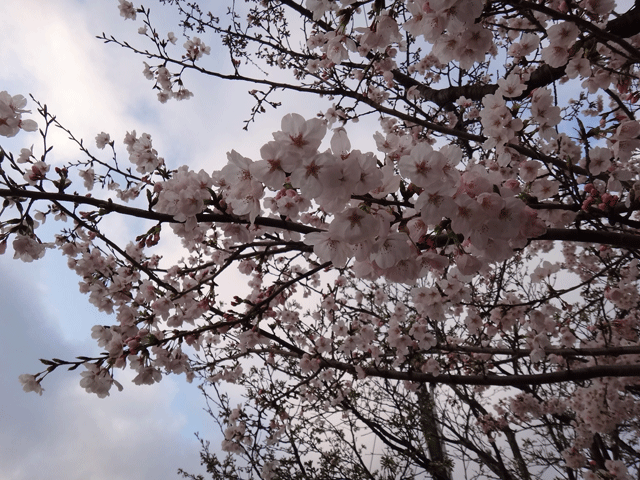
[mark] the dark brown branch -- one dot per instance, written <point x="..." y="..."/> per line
<point x="625" y="26"/>
<point x="560" y="351"/>
<point x="108" y="206"/>
<point x="506" y="380"/>
<point x="576" y="375"/>
<point x="622" y="240"/>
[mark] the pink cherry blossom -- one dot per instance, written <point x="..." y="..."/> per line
<point x="30" y="384"/>
<point x="479" y="260"/>
<point x="11" y="110"/>
<point x="196" y="48"/>
<point x="354" y="225"/>
<point x="127" y="10"/>
<point x="102" y="139"/>
<point x="27" y="248"/>
<point x="300" y="137"/>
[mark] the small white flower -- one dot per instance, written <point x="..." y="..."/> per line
<point x="102" y="139"/>
<point x="30" y="384"/>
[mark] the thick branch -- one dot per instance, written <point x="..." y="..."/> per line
<point x="110" y="206"/>
<point x="576" y="375"/>
<point x="560" y="351"/>
<point x="622" y="240"/>
<point x="625" y="26"/>
<point x="506" y="380"/>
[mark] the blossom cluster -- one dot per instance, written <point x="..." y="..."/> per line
<point x="430" y="238"/>
<point x="491" y="224"/>
<point x="11" y="110"/>
<point x="141" y="152"/>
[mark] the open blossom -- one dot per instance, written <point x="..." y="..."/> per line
<point x="499" y="124"/>
<point x="248" y="203"/>
<point x="425" y="167"/>
<point x="338" y="180"/>
<point x="466" y="216"/>
<point x="475" y="42"/>
<point x="97" y="380"/>
<point x="625" y="141"/>
<point x="394" y="248"/>
<point x="288" y="203"/>
<point x="377" y="37"/>
<point x="163" y="78"/>
<point x="88" y="176"/>
<point x="555" y="56"/>
<point x="236" y="174"/>
<point x="599" y="79"/>
<point x="544" y="112"/>
<point x="299" y="137"/>
<point x="309" y="176"/>
<point x="11" y="110"/>
<point x="562" y="34"/>
<point x="142" y="153"/>
<point x="338" y="47"/>
<point x="618" y="470"/>
<point x="370" y="175"/>
<point x="469" y="265"/>
<point x="320" y="7"/>
<point x="599" y="160"/>
<point x="354" y="225"/>
<point x="574" y="458"/>
<point x="184" y="195"/>
<point x="147" y="376"/>
<point x="340" y="144"/>
<point x="195" y="49"/>
<point x="512" y="86"/>
<point x="30" y="384"/>
<point x="528" y="43"/>
<point x="529" y="170"/>
<point x="25" y="155"/>
<point x="599" y="7"/>
<point x="544" y="188"/>
<point x="27" y="248"/>
<point x="543" y="271"/>
<point x="578" y="66"/>
<point x="37" y="172"/>
<point x="274" y="166"/>
<point x="102" y="139"/>
<point x="434" y="205"/>
<point x="329" y="249"/>
<point x="127" y="10"/>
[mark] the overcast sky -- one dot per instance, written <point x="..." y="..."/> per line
<point x="48" y="49"/>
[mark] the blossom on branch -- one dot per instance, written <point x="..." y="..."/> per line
<point x="471" y="276"/>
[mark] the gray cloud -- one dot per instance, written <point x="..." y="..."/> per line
<point x="143" y="432"/>
<point x="67" y="433"/>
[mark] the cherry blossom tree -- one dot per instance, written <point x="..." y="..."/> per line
<point x="460" y="300"/>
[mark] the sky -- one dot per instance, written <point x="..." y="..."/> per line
<point x="48" y="49"/>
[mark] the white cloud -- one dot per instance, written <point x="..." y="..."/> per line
<point x="143" y="432"/>
<point x="52" y="52"/>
